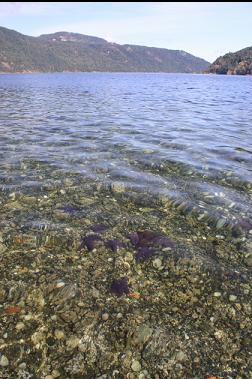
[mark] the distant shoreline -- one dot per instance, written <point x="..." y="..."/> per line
<point x="98" y="72"/>
<point x="116" y="72"/>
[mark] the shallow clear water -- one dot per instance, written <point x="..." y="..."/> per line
<point x="181" y="137"/>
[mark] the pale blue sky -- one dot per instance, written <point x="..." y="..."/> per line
<point x="205" y="29"/>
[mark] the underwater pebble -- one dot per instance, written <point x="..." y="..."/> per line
<point x="2" y="248"/>
<point x="28" y="317"/>
<point x="157" y="263"/>
<point x="128" y="257"/>
<point x="4" y="361"/>
<point x="181" y="356"/>
<point x="105" y="316"/>
<point x="22" y="365"/>
<point x="20" y="326"/>
<point x="72" y="342"/>
<point x="118" y="187"/>
<point x="248" y="260"/>
<point x="232" y="297"/>
<point x="55" y="373"/>
<point x="220" y="223"/>
<point x="217" y="294"/>
<point x="60" y="284"/>
<point x="2" y="294"/>
<point x="136" y="366"/>
<point x="59" y="334"/>
<point x="143" y="334"/>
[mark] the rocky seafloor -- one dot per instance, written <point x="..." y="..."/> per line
<point x="98" y="284"/>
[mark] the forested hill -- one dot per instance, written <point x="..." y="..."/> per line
<point x="238" y="63"/>
<point x="63" y="51"/>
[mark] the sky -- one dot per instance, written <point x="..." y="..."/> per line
<point x="204" y="29"/>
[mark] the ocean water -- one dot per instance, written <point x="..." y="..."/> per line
<point x="125" y="216"/>
<point x="181" y="137"/>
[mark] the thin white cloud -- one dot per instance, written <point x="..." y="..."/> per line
<point x="23" y="8"/>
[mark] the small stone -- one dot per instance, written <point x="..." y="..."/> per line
<point x="181" y="356"/>
<point x="248" y="260"/>
<point x="136" y="366"/>
<point x="59" y="334"/>
<point x="221" y="222"/>
<point x="143" y="334"/>
<point x="20" y="326"/>
<point x="217" y="294"/>
<point x="128" y="257"/>
<point x="2" y="294"/>
<point x="118" y="187"/>
<point x="95" y="293"/>
<point x="37" y="337"/>
<point x="49" y="377"/>
<point x="55" y="373"/>
<point x="60" y="284"/>
<point x="105" y="316"/>
<point x="22" y="365"/>
<point x="232" y="298"/>
<point x="2" y="248"/>
<point x="72" y="342"/>
<point x="28" y="317"/>
<point x="4" y="361"/>
<point x="157" y="263"/>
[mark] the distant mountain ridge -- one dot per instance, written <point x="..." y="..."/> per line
<point x="64" y="51"/>
<point x="238" y="63"/>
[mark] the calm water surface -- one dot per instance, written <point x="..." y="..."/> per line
<point x="185" y="139"/>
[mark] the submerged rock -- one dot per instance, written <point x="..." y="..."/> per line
<point x="118" y="187"/>
<point x="4" y="361"/>
<point x="64" y="293"/>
